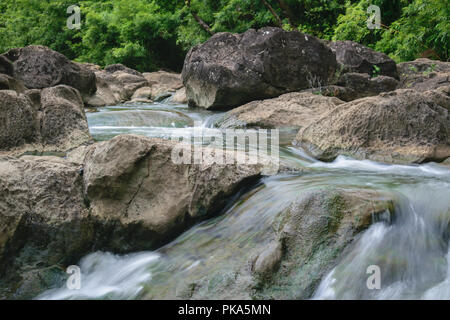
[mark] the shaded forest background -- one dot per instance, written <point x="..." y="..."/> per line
<point x="155" y="34"/>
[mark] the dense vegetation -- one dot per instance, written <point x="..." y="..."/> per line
<point x="153" y="34"/>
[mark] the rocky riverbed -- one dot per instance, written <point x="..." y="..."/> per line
<point x="87" y="175"/>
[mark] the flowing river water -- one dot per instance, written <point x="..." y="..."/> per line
<point x="412" y="251"/>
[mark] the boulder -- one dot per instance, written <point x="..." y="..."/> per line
<point x="48" y="120"/>
<point x="288" y="255"/>
<point x="43" y="223"/>
<point x="113" y="68"/>
<point x="364" y="86"/>
<point x="401" y="126"/>
<point x="295" y="110"/>
<point x="163" y="83"/>
<point x="229" y="70"/>
<point x="355" y="57"/>
<point x="116" y="84"/>
<point x="18" y="119"/>
<point x="424" y="74"/>
<point x="63" y="120"/>
<point x="122" y="195"/>
<point x="133" y="181"/>
<point x="141" y="94"/>
<point x="39" y="67"/>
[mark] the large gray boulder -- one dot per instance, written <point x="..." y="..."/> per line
<point x="18" y="120"/>
<point x="355" y="57"/>
<point x="63" y="120"/>
<point x="51" y="120"/>
<point x="403" y="126"/>
<point x="39" y="67"/>
<point x="229" y="70"/>
<point x="294" y="110"/>
<point x="134" y="181"/>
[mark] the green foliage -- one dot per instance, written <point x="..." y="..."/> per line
<point x="152" y="34"/>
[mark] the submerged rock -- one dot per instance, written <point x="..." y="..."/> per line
<point x="305" y="242"/>
<point x="314" y="232"/>
<point x="231" y="69"/>
<point x="355" y="57"/>
<point x="400" y="126"/>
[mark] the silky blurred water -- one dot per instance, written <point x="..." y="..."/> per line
<point x="412" y="251"/>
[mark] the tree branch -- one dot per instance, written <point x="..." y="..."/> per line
<point x="288" y="12"/>
<point x="276" y="16"/>
<point x="199" y="20"/>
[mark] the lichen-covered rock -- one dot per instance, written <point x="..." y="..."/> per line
<point x="401" y="126"/>
<point x="46" y="120"/>
<point x="39" y="67"/>
<point x="229" y="70"/>
<point x="63" y="121"/>
<point x="18" y="120"/>
<point x="355" y="57"/>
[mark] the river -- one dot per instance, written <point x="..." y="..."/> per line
<point x="412" y="250"/>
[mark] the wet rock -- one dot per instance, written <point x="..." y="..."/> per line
<point x="229" y="70"/>
<point x="401" y="126"/>
<point x="314" y="232"/>
<point x="357" y="58"/>
<point x="294" y="110"/>
<point x="43" y="221"/>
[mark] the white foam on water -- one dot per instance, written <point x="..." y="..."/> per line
<point x="105" y="275"/>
